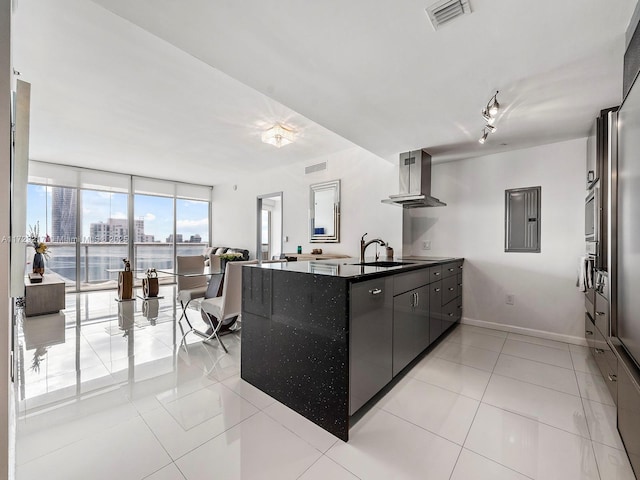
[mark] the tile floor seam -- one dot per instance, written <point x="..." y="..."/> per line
<point x="532" y="360"/>
<point x="421" y="427"/>
<point x="536" y="385"/>
<point x="539" y="344"/>
<point x="158" y="439"/>
<point x="448" y="341"/>
<point x="482" y="401"/>
<point x="540" y="421"/>
<point x="309" y="467"/>
<point x="296" y="434"/>
<point x="445" y="388"/>
<point x="498" y="463"/>
<point x="537" y="361"/>
<point x="215" y="436"/>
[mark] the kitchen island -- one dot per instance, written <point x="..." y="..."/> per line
<point x="324" y="337"/>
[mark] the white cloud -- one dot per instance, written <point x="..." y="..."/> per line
<point x="202" y="222"/>
<point x="149" y="217"/>
<point x="119" y="215"/>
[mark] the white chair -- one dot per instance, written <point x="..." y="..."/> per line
<point x="229" y="304"/>
<point x="190" y="288"/>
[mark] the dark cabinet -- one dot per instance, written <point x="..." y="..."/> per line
<point x="370" y="340"/>
<point x="435" y="311"/>
<point x="629" y="410"/>
<point x="410" y="326"/>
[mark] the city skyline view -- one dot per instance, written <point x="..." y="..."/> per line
<point x="192" y="217"/>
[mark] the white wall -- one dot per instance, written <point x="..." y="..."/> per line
<point x="365" y="180"/>
<point x="7" y="420"/>
<point x="472" y="226"/>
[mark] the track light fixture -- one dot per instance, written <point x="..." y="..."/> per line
<point x="493" y="106"/>
<point x="489" y="114"/>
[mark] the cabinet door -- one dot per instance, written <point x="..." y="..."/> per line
<point x="410" y="326"/>
<point x="435" y="311"/>
<point x="370" y="340"/>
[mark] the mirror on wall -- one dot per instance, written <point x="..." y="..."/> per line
<point x="324" y="212"/>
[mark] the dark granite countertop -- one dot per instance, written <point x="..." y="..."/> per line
<point x="349" y="268"/>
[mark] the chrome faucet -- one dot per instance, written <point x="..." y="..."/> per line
<point x="363" y="246"/>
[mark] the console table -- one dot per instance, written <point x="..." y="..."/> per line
<point x="44" y="297"/>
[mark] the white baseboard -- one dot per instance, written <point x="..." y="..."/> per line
<point x="558" y="337"/>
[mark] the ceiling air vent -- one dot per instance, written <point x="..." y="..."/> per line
<point x="443" y="12"/>
<point x="318" y="167"/>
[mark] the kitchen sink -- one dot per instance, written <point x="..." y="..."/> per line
<point x="383" y="263"/>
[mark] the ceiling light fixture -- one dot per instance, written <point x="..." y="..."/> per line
<point x="484" y="136"/>
<point x="485" y="114"/>
<point x="489" y="114"/>
<point x="493" y="106"/>
<point x="278" y="136"/>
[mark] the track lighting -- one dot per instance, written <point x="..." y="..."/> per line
<point x="488" y="117"/>
<point x="493" y="106"/>
<point x="489" y="114"/>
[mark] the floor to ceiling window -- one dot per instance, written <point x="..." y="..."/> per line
<point x="52" y="211"/>
<point x="153" y="217"/>
<point x="192" y="226"/>
<point x="92" y="220"/>
<point x="105" y="237"/>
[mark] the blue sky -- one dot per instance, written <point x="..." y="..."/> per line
<point x="192" y="216"/>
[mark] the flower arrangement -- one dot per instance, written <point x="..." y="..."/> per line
<point x="34" y="239"/>
<point x="231" y="256"/>
<point x="42" y="251"/>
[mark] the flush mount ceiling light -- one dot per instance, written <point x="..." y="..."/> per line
<point x="278" y="136"/>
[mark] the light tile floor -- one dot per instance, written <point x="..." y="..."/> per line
<point x="105" y="392"/>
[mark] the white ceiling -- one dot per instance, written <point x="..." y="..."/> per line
<point x="155" y="85"/>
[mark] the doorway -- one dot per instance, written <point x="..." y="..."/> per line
<point x="269" y="226"/>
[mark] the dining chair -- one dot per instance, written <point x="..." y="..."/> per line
<point x="190" y="288"/>
<point x="229" y="304"/>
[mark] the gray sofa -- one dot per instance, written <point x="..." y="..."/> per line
<point x="220" y="250"/>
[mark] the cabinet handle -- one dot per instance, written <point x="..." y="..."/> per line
<point x="417" y="298"/>
<point x="451" y="269"/>
<point x="375" y="291"/>
<point x="459" y="306"/>
<point x="459" y="284"/>
<point x="436" y="273"/>
<point x="612" y="377"/>
<point x="414" y="299"/>
<point x="600" y="313"/>
<point x="451" y="289"/>
<point x="436" y="289"/>
<point x="451" y="314"/>
<point x="460" y="267"/>
<point x="588" y="332"/>
<point x="599" y="350"/>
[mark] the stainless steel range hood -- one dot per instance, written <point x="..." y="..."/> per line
<point x="415" y="182"/>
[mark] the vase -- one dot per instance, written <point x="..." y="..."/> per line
<point x="38" y="263"/>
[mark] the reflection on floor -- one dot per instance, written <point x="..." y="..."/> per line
<point x="105" y="392"/>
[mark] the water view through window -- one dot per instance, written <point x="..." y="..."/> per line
<point x="104" y="232"/>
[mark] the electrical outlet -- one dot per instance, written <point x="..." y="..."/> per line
<point x="511" y="299"/>
<point x="426" y="245"/>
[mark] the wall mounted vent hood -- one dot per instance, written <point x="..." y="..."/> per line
<point x="415" y="182"/>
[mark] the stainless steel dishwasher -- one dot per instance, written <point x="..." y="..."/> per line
<point x="370" y="340"/>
